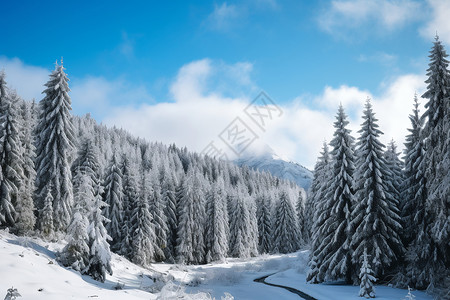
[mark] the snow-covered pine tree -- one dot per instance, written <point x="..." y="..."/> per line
<point x="437" y="160"/>
<point x="12" y="294"/>
<point x="25" y="205"/>
<point x="264" y="216"/>
<point x="130" y="195"/>
<point x="285" y="231"/>
<point x="76" y="253"/>
<point x="375" y="222"/>
<point x="144" y="234"/>
<point x="239" y="229"/>
<point x="309" y="217"/>
<point x="242" y="239"/>
<point x="253" y="226"/>
<point x="414" y="187"/>
<point x="366" y="278"/>
<point x="11" y="162"/>
<point x="216" y="241"/>
<point x="190" y="241"/>
<point x="54" y="145"/>
<point x="316" y="212"/>
<point x="170" y="203"/>
<point x="416" y="218"/>
<point x="300" y="211"/>
<point x="87" y="163"/>
<point x="159" y="216"/>
<point x="113" y="197"/>
<point x="410" y="295"/>
<point x="335" y="254"/>
<point x="415" y="234"/>
<point x="46" y="216"/>
<point x="3" y="87"/>
<point x="395" y="177"/>
<point x="99" y="253"/>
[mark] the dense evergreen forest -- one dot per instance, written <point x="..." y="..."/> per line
<point x="101" y="189"/>
<point x="379" y="216"/>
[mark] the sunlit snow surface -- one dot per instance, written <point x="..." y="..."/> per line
<point x="29" y="265"/>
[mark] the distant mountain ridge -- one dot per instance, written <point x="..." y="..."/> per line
<point x="278" y="167"/>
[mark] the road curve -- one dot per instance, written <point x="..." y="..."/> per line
<point x="292" y="290"/>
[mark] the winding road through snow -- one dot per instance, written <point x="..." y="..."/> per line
<point x="292" y="290"/>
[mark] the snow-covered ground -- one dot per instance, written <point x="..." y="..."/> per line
<point x="29" y="265"/>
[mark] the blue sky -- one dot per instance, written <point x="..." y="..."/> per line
<point x="185" y="59"/>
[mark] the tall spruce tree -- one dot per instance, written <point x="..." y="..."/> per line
<point x="239" y="229"/>
<point x="414" y="187"/>
<point x="130" y="195"/>
<point x="54" y="145"/>
<point x="76" y="253"/>
<point x="437" y="160"/>
<point x="375" y="223"/>
<point x="317" y="213"/>
<point x="335" y="244"/>
<point x="113" y="197"/>
<point x="144" y="233"/>
<point x="243" y="224"/>
<point x="25" y="205"/>
<point x="11" y="161"/>
<point x="169" y="199"/>
<point x="285" y="230"/>
<point x="99" y="253"/>
<point x="87" y="163"/>
<point x="416" y="219"/>
<point x="301" y="219"/>
<point x="46" y="216"/>
<point x="159" y="216"/>
<point x="253" y="226"/>
<point x="190" y="241"/>
<point x="264" y="216"/>
<point x="216" y="241"/>
<point x="395" y="177"/>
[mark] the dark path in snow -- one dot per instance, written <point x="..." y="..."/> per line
<point x="292" y="290"/>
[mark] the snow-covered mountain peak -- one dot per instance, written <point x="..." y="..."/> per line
<point x="269" y="161"/>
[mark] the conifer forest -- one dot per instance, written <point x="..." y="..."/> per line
<point x="374" y="214"/>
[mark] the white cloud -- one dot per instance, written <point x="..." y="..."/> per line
<point x="203" y="79"/>
<point x="395" y="104"/>
<point x="97" y="95"/>
<point x="223" y="16"/>
<point x="126" y="47"/>
<point x="351" y="98"/>
<point x="439" y="21"/>
<point x="341" y="17"/>
<point x="380" y="57"/>
<point x="387" y="14"/>
<point x="265" y="4"/>
<point x="27" y="80"/>
<point x="191" y="80"/>
<point x="200" y="112"/>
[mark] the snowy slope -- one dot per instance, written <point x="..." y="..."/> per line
<point x="29" y="265"/>
<point x="281" y="168"/>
